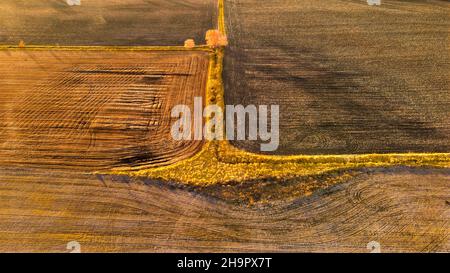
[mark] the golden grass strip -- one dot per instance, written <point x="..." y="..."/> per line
<point x="221" y="17"/>
<point x="105" y="48"/>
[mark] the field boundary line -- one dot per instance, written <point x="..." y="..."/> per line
<point x="105" y="48"/>
<point x="221" y="17"/>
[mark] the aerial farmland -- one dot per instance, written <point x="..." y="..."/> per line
<point x="89" y="155"/>
<point x="349" y="77"/>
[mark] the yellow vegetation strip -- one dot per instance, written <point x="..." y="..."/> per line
<point x="221" y="18"/>
<point x="105" y="48"/>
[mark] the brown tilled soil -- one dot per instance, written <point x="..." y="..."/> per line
<point x="405" y="210"/>
<point x="106" y="22"/>
<point x="349" y="78"/>
<point x="95" y="110"/>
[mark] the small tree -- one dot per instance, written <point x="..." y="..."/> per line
<point x="189" y="43"/>
<point x="214" y="38"/>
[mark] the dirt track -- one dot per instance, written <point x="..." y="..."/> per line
<point x="100" y="22"/>
<point x="349" y="78"/>
<point x="95" y="110"/>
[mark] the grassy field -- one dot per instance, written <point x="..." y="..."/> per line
<point x="95" y="110"/>
<point x="349" y="78"/>
<point x="112" y="22"/>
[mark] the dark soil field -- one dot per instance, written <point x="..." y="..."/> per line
<point x="349" y="78"/>
<point x="95" y="110"/>
<point x="101" y="22"/>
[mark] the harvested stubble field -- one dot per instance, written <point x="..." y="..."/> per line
<point x="100" y="22"/>
<point x="95" y="110"/>
<point x="349" y="78"/>
<point x="42" y="211"/>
